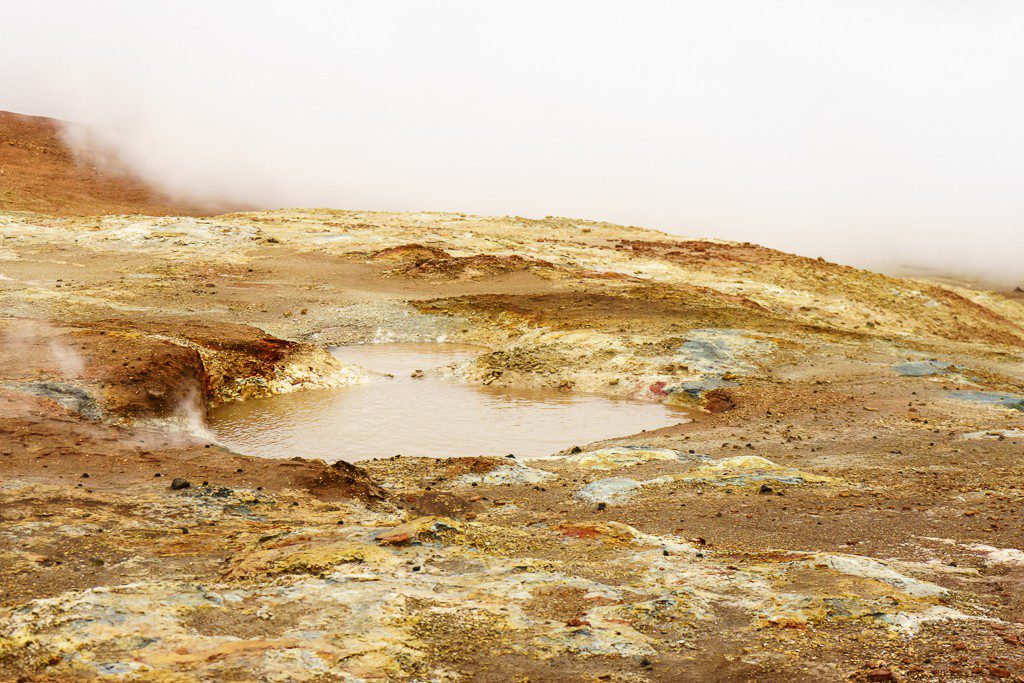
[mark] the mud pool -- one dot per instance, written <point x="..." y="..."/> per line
<point x="426" y="416"/>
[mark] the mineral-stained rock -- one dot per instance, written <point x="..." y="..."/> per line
<point x="749" y="470"/>
<point x="421" y="530"/>
<point x="625" y="456"/>
<point x="610" y="491"/>
<point x="507" y="474"/>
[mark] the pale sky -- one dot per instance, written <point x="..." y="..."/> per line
<point x="869" y="132"/>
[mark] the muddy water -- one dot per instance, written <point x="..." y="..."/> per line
<point x="426" y="417"/>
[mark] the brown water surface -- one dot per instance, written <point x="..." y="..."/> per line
<point x="426" y="417"/>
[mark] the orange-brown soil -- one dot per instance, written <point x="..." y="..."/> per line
<point x="40" y="172"/>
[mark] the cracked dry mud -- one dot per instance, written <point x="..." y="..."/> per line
<point x="844" y="504"/>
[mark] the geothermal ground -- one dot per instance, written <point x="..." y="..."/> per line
<point x="844" y="503"/>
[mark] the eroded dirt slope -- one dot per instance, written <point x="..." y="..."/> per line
<point x="40" y="172"/>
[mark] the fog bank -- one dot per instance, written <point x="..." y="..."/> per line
<point x="877" y="133"/>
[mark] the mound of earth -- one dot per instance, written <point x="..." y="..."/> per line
<point x="416" y="260"/>
<point x="40" y="172"/>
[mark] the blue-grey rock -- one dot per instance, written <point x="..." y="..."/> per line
<point x="990" y="398"/>
<point x="922" y="368"/>
<point x="697" y="387"/>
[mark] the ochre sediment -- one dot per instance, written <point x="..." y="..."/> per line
<point x="827" y="514"/>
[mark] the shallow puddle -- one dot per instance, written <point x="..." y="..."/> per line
<point x="426" y="417"/>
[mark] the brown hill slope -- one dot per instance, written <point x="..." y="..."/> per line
<point x="39" y="172"/>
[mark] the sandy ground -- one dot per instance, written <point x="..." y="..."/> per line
<point x="844" y="505"/>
